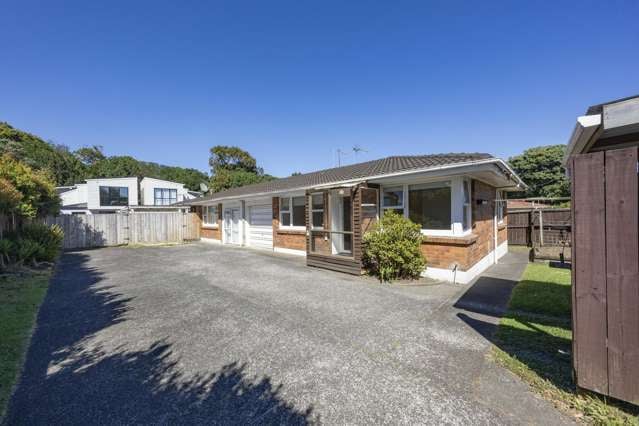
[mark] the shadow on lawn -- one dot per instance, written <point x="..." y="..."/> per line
<point x="66" y="382"/>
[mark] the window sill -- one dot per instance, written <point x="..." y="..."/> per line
<point x="292" y="231"/>
<point x="210" y="226"/>
<point x="500" y="226"/>
<point x="465" y="240"/>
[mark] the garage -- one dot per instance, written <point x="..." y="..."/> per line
<point x="260" y="232"/>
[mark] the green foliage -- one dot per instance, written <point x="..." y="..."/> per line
<point x="392" y="248"/>
<point x="27" y="251"/>
<point x="49" y="238"/>
<point x="6" y="249"/>
<point x="66" y="168"/>
<point x="541" y="169"/>
<point x="25" y="192"/>
<point x="232" y="167"/>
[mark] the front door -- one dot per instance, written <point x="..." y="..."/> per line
<point x="341" y="213"/>
<point x="232" y="226"/>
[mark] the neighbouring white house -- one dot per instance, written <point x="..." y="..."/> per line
<point x="108" y="195"/>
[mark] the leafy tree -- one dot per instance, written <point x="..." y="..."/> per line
<point x="233" y="167"/>
<point x="90" y="155"/>
<point x="26" y="192"/>
<point x="66" y="167"/>
<point x="61" y="164"/>
<point x="541" y="169"/>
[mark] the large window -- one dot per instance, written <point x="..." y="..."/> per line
<point x="164" y="196"/>
<point x="430" y="205"/>
<point x="114" y="196"/>
<point x="393" y="199"/>
<point x="317" y="211"/>
<point x="292" y="212"/>
<point x="209" y="215"/>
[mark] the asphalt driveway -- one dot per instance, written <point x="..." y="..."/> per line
<point x="216" y="335"/>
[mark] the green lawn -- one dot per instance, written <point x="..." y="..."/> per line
<point x="20" y="298"/>
<point x="534" y="341"/>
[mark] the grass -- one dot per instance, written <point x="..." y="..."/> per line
<point x="534" y="341"/>
<point x="20" y="299"/>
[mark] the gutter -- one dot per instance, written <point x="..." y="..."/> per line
<point x="497" y="161"/>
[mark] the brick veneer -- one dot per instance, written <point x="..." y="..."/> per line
<point x="208" y="232"/>
<point x="466" y="252"/>
<point x="289" y="239"/>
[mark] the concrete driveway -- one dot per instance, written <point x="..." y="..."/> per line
<point x="217" y="335"/>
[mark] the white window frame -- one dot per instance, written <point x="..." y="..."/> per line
<point x="467" y="204"/>
<point x="499" y="206"/>
<point x="458" y="204"/>
<point x="397" y="207"/>
<point x="206" y="216"/>
<point x="311" y="210"/>
<point x="290" y="211"/>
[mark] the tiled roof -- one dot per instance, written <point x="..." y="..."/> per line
<point x="384" y="166"/>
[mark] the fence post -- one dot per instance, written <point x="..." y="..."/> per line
<point x="541" y="228"/>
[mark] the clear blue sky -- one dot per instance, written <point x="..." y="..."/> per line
<point x="293" y="81"/>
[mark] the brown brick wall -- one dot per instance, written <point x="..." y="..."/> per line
<point x="294" y="240"/>
<point x="213" y="233"/>
<point x="466" y="252"/>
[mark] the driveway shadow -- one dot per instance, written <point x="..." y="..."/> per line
<point x="65" y="383"/>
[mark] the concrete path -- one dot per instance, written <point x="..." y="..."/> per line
<point x="203" y="334"/>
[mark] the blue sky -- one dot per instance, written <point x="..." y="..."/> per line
<point x="292" y="82"/>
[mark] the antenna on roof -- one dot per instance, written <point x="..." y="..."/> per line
<point x="357" y="149"/>
<point x="339" y="156"/>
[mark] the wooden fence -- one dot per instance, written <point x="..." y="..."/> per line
<point x="605" y="296"/>
<point x="103" y="230"/>
<point x="539" y="227"/>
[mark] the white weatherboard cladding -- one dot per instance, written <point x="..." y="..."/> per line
<point x="93" y="191"/>
<point x="260" y="226"/>
<point x="148" y="186"/>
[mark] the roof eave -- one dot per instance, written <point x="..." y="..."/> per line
<point x="582" y="135"/>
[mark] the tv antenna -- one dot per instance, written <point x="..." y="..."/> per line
<point x="355" y="150"/>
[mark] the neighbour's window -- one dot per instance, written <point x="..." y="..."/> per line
<point x="393" y="199"/>
<point x="165" y="196"/>
<point x="292" y="212"/>
<point x="114" y="196"/>
<point x="430" y="205"/>
<point x="209" y="215"/>
<point x="317" y="211"/>
<point x="500" y="206"/>
<point x="467" y="215"/>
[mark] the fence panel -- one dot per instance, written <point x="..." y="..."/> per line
<point x="103" y="230"/>
<point x="589" y="273"/>
<point x="622" y="273"/>
<point x="541" y="227"/>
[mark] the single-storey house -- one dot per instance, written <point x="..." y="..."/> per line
<point x="456" y="198"/>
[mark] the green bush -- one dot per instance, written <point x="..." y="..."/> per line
<point x="392" y="248"/>
<point x="6" y="249"/>
<point x="50" y="238"/>
<point x="27" y="251"/>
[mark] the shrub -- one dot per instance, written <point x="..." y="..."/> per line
<point x="6" y="249"/>
<point x="392" y="248"/>
<point x="28" y="251"/>
<point x="50" y="238"/>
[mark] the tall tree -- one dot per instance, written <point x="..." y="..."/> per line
<point x="26" y="192"/>
<point x="541" y="168"/>
<point x="90" y="155"/>
<point x="232" y="167"/>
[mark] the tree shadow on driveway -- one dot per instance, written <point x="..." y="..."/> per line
<point x="66" y="382"/>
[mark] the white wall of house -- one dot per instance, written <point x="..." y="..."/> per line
<point x="148" y="186"/>
<point x="93" y="191"/>
<point x="76" y="195"/>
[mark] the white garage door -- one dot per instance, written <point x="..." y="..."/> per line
<point x="260" y="233"/>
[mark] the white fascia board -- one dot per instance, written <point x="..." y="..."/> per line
<point x="585" y="128"/>
<point x="496" y="161"/>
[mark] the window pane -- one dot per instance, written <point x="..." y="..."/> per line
<point x="114" y="196"/>
<point x="430" y="207"/>
<point x="466" y="223"/>
<point x="318" y="219"/>
<point x="318" y="201"/>
<point x="286" y="219"/>
<point x="466" y="192"/>
<point x="393" y="197"/>
<point x="284" y="204"/>
<point x="298" y="211"/>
